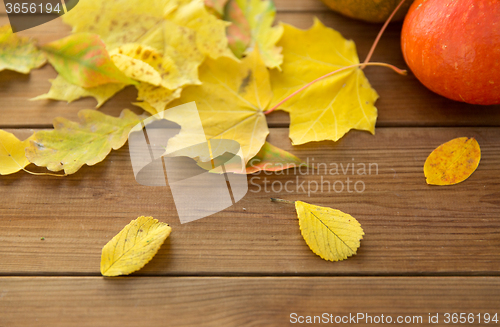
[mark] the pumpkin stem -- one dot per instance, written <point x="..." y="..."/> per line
<point x="368" y="57"/>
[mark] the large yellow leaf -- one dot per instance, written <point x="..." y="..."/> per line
<point x="330" y="233"/>
<point x="452" y="162"/>
<point x="329" y="108"/>
<point x="258" y="17"/>
<point x="65" y="91"/>
<point x="133" y="247"/>
<point x="71" y="145"/>
<point x="230" y="103"/>
<point x="18" y="53"/>
<point x="12" y="156"/>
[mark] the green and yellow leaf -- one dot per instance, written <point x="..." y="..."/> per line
<point x="239" y="34"/>
<point x="82" y="60"/>
<point x="253" y="27"/>
<point x="452" y="162"/>
<point x="331" y="234"/>
<point x="71" y="145"/>
<point x="216" y="7"/>
<point x="329" y="108"/>
<point x="272" y="158"/>
<point x="63" y="90"/>
<point x="12" y="155"/>
<point x="134" y="246"/>
<point x="19" y="54"/>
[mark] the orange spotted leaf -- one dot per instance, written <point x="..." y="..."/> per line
<point x="452" y="162"/>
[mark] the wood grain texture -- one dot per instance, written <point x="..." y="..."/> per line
<point x="403" y="100"/>
<point x="411" y="228"/>
<point x="239" y="302"/>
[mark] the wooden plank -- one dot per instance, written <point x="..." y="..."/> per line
<point x="242" y="301"/>
<point x="411" y="228"/>
<point x="403" y="100"/>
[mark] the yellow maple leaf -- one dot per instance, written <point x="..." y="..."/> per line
<point x="65" y="91"/>
<point x="19" y="54"/>
<point x="331" y="234"/>
<point x="12" y="156"/>
<point x="230" y="103"/>
<point x="71" y="145"/>
<point x="452" y="162"/>
<point x="331" y="107"/>
<point x="134" y="246"/>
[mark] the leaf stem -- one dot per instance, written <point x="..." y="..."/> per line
<point x="44" y="174"/>
<point x="370" y="53"/>
<point x="282" y="201"/>
<point x="397" y="70"/>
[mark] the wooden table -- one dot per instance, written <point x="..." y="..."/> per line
<point x="427" y="250"/>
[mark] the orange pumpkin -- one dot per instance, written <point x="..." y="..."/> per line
<point x="453" y="48"/>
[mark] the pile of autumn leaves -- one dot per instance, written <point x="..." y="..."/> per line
<point x="225" y="55"/>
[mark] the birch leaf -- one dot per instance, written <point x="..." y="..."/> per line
<point x="330" y="233"/>
<point x="64" y="91"/>
<point x="136" y="69"/>
<point x="253" y="27"/>
<point x="329" y="108"/>
<point x="19" y="54"/>
<point x="71" y="145"/>
<point x="12" y="156"/>
<point x="82" y="60"/>
<point x="452" y="162"/>
<point x="230" y="103"/>
<point x="134" y="246"/>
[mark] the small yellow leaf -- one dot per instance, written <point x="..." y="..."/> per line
<point x="136" y="69"/>
<point x="452" y="162"/>
<point x="330" y="233"/>
<point x="134" y="246"/>
<point x="65" y="91"/>
<point x="164" y="66"/>
<point x="12" y="156"/>
<point x="19" y="54"/>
